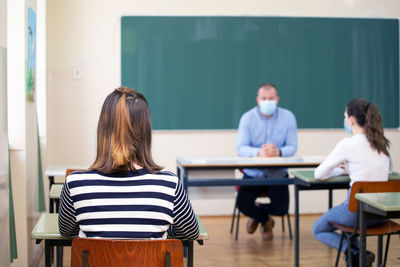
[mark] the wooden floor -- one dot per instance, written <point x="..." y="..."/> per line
<point x="222" y="250"/>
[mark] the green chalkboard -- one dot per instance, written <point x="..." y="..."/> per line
<point x="203" y="72"/>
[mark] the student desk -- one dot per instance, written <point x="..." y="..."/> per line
<point x="54" y="197"/>
<point x="386" y="205"/>
<point x="186" y="164"/>
<point x="53" y="171"/>
<point x="304" y="180"/>
<point x="47" y="229"/>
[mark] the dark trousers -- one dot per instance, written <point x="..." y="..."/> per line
<point x="278" y="195"/>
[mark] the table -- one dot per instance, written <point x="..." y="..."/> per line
<point x="58" y="170"/>
<point x="186" y="164"/>
<point x="54" y="196"/>
<point x="47" y="229"/>
<point x="304" y="180"/>
<point x="386" y="205"/>
<point x="53" y="171"/>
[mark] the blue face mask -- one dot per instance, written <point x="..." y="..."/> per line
<point x="268" y="107"/>
<point x="347" y="128"/>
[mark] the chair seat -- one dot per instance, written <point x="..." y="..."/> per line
<point x="390" y="227"/>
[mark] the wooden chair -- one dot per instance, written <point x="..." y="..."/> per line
<point x="387" y="228"/>
<point x="236" y="216"/>
<point x="123" y="253"/>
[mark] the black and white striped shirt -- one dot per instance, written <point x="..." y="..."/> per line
<point x="137" y="205"/>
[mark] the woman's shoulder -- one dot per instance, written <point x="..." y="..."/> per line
<point x="165" y="176"/>
<point x="80" y="173"/>
<point x="346" y="141"/>
<point x="352" y="142"/>
<point x="168" y="173"/>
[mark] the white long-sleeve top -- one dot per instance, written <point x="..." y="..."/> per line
<point x="362" y="162"/>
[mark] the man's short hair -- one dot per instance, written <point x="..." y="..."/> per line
<point x="268" y="86"/>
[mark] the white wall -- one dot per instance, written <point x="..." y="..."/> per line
<point x="4" y="187"/>
<point x="16" y="120"/>
<point x="22" y="120"/>
<point x="87" y="34"/>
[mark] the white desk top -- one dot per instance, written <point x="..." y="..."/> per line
<point x="47" y="228"/>
<point x="246" y="162"/>
<point x="60" y="170"/>
<point x="383" y="201"/>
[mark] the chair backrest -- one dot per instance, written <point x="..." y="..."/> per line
<point x="68" y="171"/>
<point x="110" y="252"/>
<point x="371" y="187"/>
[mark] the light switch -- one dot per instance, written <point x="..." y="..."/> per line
<point x="77" y="73"/>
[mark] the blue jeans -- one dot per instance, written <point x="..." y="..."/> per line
<point x="325" y="232"/>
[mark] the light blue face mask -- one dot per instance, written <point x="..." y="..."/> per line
<point x="347" y="128"/>
<point x="268" y="107"/>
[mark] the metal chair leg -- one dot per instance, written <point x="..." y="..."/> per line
<point x="234" y="215"/>
<point x="283" y="223"/>
<point x="289" y="226"/>
<point x="386" y="250"/>
<point x="237" y="225"/>
<point x="349" y="250"/>
<point x="339" y="250"/>
<point x="379" y="258"/>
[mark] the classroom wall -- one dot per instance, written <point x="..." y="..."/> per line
<point x="31" y="151"/>
<point x="86" y="35"/>
<point x="16" y="118"/>
<point x="4" y="205"/>
<point x="23" y="135"/>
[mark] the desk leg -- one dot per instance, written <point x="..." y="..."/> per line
<point x="363" y="238"/>
<point x="296" y="226"/>
<point x="59" y="256"/>
<point x="185" y="179"/>
<point x="51" y="205"/>
<point x="51" y="181"/>
<point x="190" y="253"/>
<point x="178" y="172"/>
<point x="330" y="198"/>
<point x="47" y="257"/>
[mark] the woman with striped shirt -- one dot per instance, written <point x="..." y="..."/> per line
<point x="124" y="194"/>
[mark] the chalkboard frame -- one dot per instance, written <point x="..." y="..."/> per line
<point x="190" y="102"/>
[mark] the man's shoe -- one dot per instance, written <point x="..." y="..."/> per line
<point x="370" y="258"/>
<point x="266" y="230"/>
<point x="251" y="226"/>
<point x="355" y="259"/>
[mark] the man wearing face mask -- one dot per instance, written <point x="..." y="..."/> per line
<point x="265" y="131"/>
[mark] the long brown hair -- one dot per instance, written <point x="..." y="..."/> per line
<point x="367" y="116"/>
<point x="124" y="133"/>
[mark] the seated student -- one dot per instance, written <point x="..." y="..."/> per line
<point x="365" y="157"/>
<point x="124" y="194"/>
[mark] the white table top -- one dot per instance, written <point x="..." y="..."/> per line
<point x="60" y="170"/>
<point x="243" y="162"/>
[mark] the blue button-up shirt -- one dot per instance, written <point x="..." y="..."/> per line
<point x="256" y="130"/>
